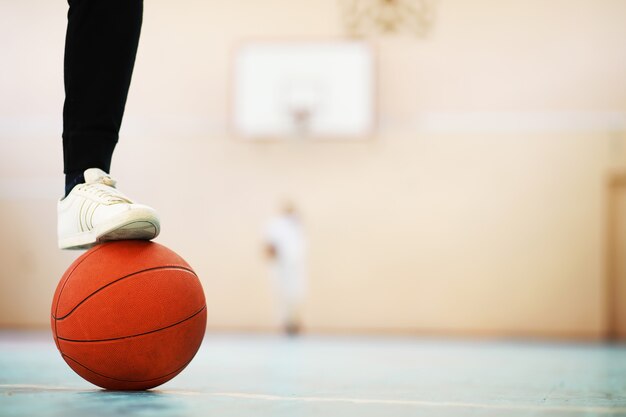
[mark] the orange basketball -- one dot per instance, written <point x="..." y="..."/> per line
<point x="128" y="315"/>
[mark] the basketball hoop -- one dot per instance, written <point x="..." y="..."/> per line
<point x="301" y="99"/>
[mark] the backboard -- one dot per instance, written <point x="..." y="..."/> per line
<point x="303" y="89"/>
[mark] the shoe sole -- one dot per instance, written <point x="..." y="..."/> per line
<point x="140" y="225"/>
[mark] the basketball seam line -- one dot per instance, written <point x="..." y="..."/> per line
<point x="126" y="380"/>
<point x="117" y="280"/>
<point x="56" y="307"/>
<point x="135" y="335"/>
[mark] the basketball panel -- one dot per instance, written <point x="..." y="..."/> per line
<point x="115" y="384"/>
<point x="140" y="358"/>
<point x="145" y="302"/>
<point x="109" y="262"/>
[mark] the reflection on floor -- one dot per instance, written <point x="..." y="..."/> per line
<point x="239" y="375"/>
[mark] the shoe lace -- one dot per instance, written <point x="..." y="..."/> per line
<point x="105" y="190"/>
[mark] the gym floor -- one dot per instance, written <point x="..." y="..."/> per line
<point x="253" y="375"/>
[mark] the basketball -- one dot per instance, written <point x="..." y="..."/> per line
<point x="128" y="315"/>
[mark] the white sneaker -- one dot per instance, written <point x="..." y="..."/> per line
<point x="96" y="211"/>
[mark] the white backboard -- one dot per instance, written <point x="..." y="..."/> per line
<point x="316" y="89"/>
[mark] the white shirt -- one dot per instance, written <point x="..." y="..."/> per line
<point x="285" y="234"/>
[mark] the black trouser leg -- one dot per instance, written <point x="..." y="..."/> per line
<point x="100" y="48"/>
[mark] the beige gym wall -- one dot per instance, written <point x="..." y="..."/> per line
<point x="478" y="208"/>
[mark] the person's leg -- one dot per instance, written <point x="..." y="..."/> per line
<point x="100" y="49"/>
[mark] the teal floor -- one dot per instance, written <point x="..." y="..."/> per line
<point x="332" y="376"/>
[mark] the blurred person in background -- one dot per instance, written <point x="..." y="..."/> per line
<point x="285" y="247"/>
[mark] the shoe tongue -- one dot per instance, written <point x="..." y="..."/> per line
<point x="96" y="175"/>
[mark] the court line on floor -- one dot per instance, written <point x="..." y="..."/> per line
<point x="349" y="400"/>
<point x="423" y="403"/>
<point x="46" y="388"/>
